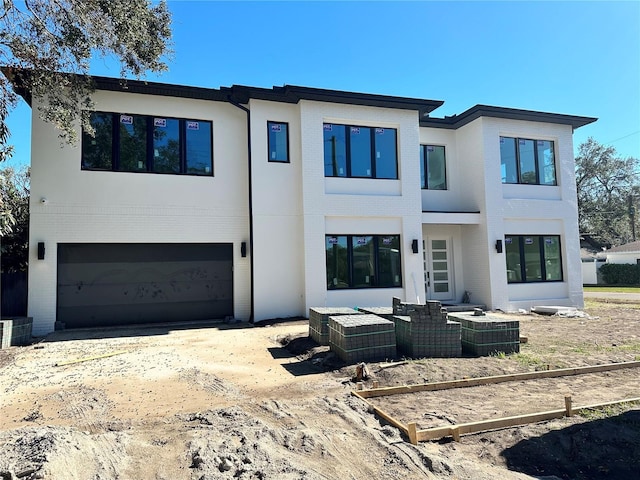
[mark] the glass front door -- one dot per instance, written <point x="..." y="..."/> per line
<point x="438" y="269"/>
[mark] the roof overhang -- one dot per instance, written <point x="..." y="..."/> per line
<point x="457" y="121"/>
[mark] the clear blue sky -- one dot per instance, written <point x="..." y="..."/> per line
<point x="580" y="58"/>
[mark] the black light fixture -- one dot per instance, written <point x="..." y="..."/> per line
<point x="40" y="250"/>
<point x="243" y="249"/>
<point x="414" y="245"/>
<point x="499" y="246"/>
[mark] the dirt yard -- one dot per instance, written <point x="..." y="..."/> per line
<point x="237" y="401"/>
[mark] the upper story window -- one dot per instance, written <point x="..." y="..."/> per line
<point x="142" y="143"/>
<point x="433" y="170"/>
<point x="360" y="152"/>
<point x="527" y="161"/>
<point x="278" y="133"/>
<point x="533" y="258"/>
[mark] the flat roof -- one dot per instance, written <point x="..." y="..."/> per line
<point x="477" y="111"/>
<point x="293" y="94"/>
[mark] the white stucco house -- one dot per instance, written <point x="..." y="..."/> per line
<point x="256" y="203"/>
<point x="627" y="253"/>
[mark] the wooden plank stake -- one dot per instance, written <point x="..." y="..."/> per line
<point x="359" y="386"/>
<point x="567" y="405"/>
<point x="484" y="425"/>
<point x="473" y="382"/>
<point x="412" y="430"/>
<point x="376" y="384"/>
<point x="455" y="433"/>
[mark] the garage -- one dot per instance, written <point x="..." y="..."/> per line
<point x="122" y="284"/>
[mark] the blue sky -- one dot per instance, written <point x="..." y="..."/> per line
<point x="580" y="58"/>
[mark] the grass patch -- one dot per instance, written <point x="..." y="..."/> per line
<point x="529" y="360"/>
<point x="612" y="289"/>
<point x="607" y="411"/>
<point x="609" y="302"/>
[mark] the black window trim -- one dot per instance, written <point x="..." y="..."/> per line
<point x="149" y="163"/>
<point x="535" y="157"/>
<point x="372" y="143"/>
<point x="543" y="267"/>
<point x="423" y="162"/>
<point x="376" y="258"/>
<point x="269" y="123"/>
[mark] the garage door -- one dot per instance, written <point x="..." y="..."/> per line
<point x="120" y="284"/>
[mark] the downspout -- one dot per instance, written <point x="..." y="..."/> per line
<point x="248" y="112"/>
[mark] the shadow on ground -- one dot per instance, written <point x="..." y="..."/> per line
<point x="604" y="449"/>
<point x="152" y="329"/>
<point x="310" y="358"/>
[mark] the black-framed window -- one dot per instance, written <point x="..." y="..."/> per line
<point x="527" y="161"/>
<point x="533" y="258"/>
<point x="433" y="167"/>
<point x="144" y="143"/>
<point x="363" y="261"/>
<point x="352" y="151"/>
<point x="278" y="135"/>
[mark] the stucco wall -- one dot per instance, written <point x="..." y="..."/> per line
<point x="359" y="206"/>
<point x="123" y="207"/>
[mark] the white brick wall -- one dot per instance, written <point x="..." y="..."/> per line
<point x="295" y="206"/>
<point x="120" y="207"/>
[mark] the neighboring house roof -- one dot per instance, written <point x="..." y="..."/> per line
<point x="633" y="247"/>
<point x="293" y="94"/>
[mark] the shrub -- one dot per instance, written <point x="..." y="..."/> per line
<point x="620" y="274"/>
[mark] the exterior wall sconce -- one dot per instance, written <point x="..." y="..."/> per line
<point x="499" y="246"/>
<point x="40" y="250"/>
<point x="414" y="245"/>
<point x="243" y="249"/>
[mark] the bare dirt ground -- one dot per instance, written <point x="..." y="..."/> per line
<point x="237" y="401"/>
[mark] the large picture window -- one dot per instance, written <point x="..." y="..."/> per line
<point x="141" y="143"/>
<point x="433" y="171"/>
<point x="527" y="161"/>
<point x="363" y="261"/>
<point x="533" y="258"/>
<point x="360" y="152"/>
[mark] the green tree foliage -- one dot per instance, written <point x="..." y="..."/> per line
<point x="42" y="41"/>
<point x="14" y="191"/>
<point x="608" y="193"/>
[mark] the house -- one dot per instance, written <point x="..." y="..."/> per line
<point x="255" y="203"/>
<point x="627" y="253"/>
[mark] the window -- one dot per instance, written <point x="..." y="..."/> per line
<point x="141" y="143"/>
<point x="278" y="141"/>
<point x="360" y="152"/>
<point x="363" y="261"/>
<point x="533" y="258"/>
<point x="433" y="171"/>
<point x="527" y="161"/>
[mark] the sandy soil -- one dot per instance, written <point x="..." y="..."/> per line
<point x="237" y="401"/>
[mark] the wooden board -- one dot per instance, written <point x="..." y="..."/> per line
<point x="473" y="382"/>
<point x="485" y="425"/>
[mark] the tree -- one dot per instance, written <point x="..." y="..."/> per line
<point x="43" y="41"/>
<point x="14" y="191"/>
<point x="608" y="192"/>
<point x="46" y="47"/>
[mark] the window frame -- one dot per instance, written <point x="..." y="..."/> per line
<point x="349" y="157"/>
<point x="536" y="161"/>
<point x="542" y="258"/>
<point x="377" y="242"/>
<point x="424" y="165"/>
<point x="149" y="158"/>
<point x="269" y="150"/>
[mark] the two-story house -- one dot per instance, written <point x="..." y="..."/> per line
<point x="252" y="203"/>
